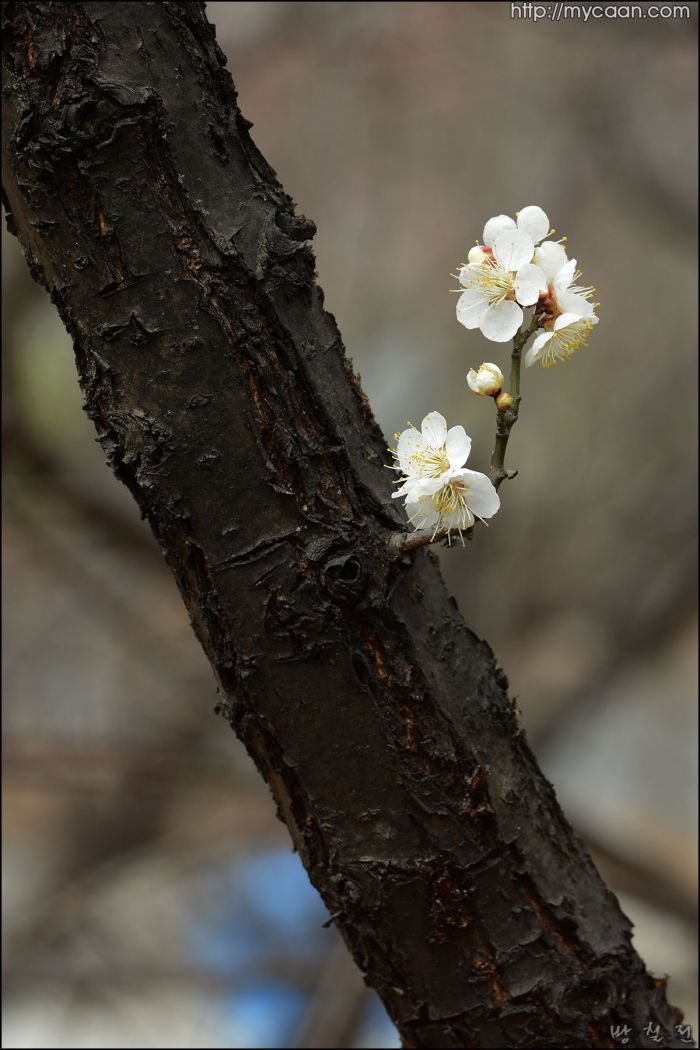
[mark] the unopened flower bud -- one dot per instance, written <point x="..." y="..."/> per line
<point x="487" y="381"/>
<point x="504" y="401"/>
<point x="476" y="256"/>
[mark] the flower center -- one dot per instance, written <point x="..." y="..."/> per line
<point x="431" y="462"/>
<point x="494" y="283"/>
<point x="549" y="306"/>
<point x="451" y="499"/>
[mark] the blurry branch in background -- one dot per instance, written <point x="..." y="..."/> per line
<point x="223" y="400"/>
<point x="337" y="1003"/>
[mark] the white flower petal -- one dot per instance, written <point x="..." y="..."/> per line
<point x="473" y="381"/>
<point x="408" y="487"/>
<point x="538" y="344"/>
<point x="481" y="495"/>
<point x="534" y="222"/>
<point x="497" y="225"/>
<point x="501" y="321"/>
<point x="471" y="307"/>
<point x="477" y="256"/>
<point x="564" y="277"/>
<point x="512" y="249"/>
<point x="422" y="513"/>
<point x="564" y="320"/>
<point x="529" y="282"/>
<point x="470" y="273"/>
<point x="466" y="275"/>
<point x="550" y="257"/>
<point x="410" y="443"/>
<point x="434" y="429"/>
<point x="457" y="446"/>
<point x="429" y="486"/>
<point x="459" y="518"/>
<point x="574" y="303"/>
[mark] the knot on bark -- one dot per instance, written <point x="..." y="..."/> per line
<point x="344" y="576"/>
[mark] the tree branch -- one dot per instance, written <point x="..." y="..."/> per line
<point x="222" y="398"/>
<point x="506" y="418"/>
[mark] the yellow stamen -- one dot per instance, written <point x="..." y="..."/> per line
<point x="452" y="499"/>
<point x="566" y="341"/>
<point x="495" y="283"/>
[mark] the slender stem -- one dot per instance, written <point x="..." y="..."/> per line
<point x="515" y="359"/>
<point x="403" y="542"/>
<point x="507" y="418"/>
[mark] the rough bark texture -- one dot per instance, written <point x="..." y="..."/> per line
<point x="222" y="397"/>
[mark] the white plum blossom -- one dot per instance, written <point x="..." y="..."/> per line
<point x="567" y="316"/>
<point x="498" y="287"/>
<point x="452" y="503"/>
<point x="565" y="311"/>
<point x="429" y="453"/>
<point x="568" y="333"/>
<point x="568" y="297"/>
<point x="440" y="493"/>
<point x="486" y="381"/>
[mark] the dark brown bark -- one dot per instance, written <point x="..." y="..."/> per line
<point x="222" y="397"/>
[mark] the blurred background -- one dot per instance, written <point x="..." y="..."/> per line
<point x="151" y="897"/>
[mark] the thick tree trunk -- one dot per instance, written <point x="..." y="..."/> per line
<point x="222" y="397"/>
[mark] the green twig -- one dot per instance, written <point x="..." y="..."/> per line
<point x="507" y="417"/>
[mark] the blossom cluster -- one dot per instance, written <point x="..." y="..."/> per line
<point x="439" y="492"/>
<point x="516" y="266"/>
